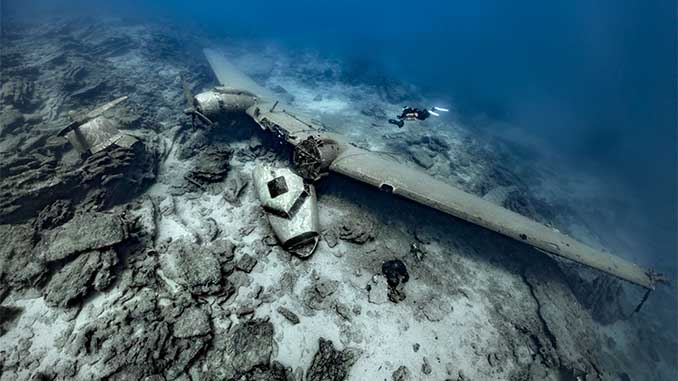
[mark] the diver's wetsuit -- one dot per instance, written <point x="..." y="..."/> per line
<point x="410" y="113"/>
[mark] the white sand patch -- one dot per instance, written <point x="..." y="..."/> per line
<point x="42" y="326"/>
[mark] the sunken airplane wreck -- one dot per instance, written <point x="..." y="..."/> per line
<point x="318" y="152"/>
<point x="288" y="197"/>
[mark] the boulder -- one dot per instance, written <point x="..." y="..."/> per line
<point x="196" y="268"/>
<point x="317" y="295"/>
<point x="192" y="322"/>
<point x="330" y="364"/>
<point x="249" y="345"/>
<point x="83" y="233"/>
<point x="211" y="166"/>
<point x="357" y="230"/>
<point x="53" y="215"/>
<point x="19" y="266"/>
<point x="421" y="158"/>
<point x="135" y="341"/>
<point x="395" y="272"/>
<point x="89" y="271"/>
<point x="33" y="180"/>
<point x="10" y="120"/>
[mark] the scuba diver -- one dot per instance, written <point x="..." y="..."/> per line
<point x="410" y="113"/>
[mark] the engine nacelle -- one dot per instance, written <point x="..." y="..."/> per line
<point x="223" y="100"/>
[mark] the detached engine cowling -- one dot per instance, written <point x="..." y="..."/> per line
<point x="223" y="100"/>
<point x="291" y="206"/>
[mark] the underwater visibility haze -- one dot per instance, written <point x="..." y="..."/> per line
<point x="187" y="190"/>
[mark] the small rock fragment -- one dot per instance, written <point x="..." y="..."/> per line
<point x="330" y="364"/>
<point x="289" y="315"/>
<point x="330" y="237"/>
<point x="249" y="345"/>
<point x="83" y="233"/>
<point x="270" y="240"/>
<point x="246" y="263"/>
<point x="396" y="275"/>
<point x="421" y="158"/>
<point x="378" y="290"/>
<point x="401" y="374"/>
<point x="396" y="294"/>
<point x="192" y="322"/>
<point x="326" y="287"/>
<point x="395" y="272"/>
<point x="433" y="308"/>
<point x="234" y="188"/>
<point x="316" y="296"/>
<point x="426" y="367"/>
<point x="343" y="311"/>
<point x="357" y="230"/>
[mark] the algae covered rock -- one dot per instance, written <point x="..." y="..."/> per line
<point x="83" y="233"/>
<point x="89" y="271"/>
<point x="192" y="322"/>
<point x="330" y="364"/>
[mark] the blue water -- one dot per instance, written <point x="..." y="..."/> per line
<point x="596" y="80"/>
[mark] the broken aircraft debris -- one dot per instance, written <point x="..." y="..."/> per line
<point x="318" y="152"/>
<point x="93" y="132"/>
<point x="291" y="207"/>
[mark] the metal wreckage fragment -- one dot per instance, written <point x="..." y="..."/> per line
<point x="318" y="152"/>
<point x="93" y="132"/>
<point x="291" y="207"/>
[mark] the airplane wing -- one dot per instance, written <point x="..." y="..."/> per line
<point x="402" y="180"/>
<point x="269" y="113"/>
<point x="230" y="76"/>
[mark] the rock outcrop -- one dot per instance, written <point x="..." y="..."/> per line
<point x="33" y="181"/>
<point x="200" y="270"/>
<point x="330" y="364"/>
<point x="89" y="271"/>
